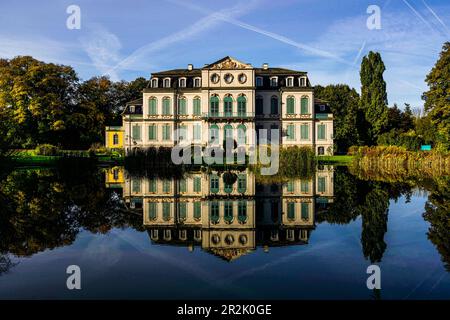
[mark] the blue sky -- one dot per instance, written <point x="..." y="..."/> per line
<point x="326" y="38"/>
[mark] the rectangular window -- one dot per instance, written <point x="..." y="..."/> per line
<point x="321" y="184"/>
<point x="152" y="185"/>
<point x="197" y="132"/>
<point x="197" y="184"/>
<point x="291" y="132"/>
<point x="166" y="210"/>
<point x="182" y="133"/>
<point x="152" y="132"/>
<point x="214" y="184"/>
<point x="182" y="210"/>
<point x="242" y="183"/>
<point x="304" y="132"/>
<point x="321" y="132"/>
<point x="242" y="211"/>
<point x="136" y="133"/>
<point x="197" y="107"/>
<point x="167" y="132"/>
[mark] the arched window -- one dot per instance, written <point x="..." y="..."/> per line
<point x="274" y="105"/>
<point x="182" y="82"/>
<point x="242" y="183"/>
<point x="289" y="81"/>
<point x="214" y="183"/>
<point x="242" y="105"/>
<point x="197" y="107"/>
<point x="166" y="104"/>
<point x="155" y="83"/>
<point x="214" y="106"/>
<point x="228" y="106"/>
<point x="167" y="83"/>
<point x="152" y="105"/>
<point x="259" y="81"/>
<point x="241" y="134"/>
<point x="228" y="188"/>
<point x="304" y="105"/>
<point x="182" y="106"/>
<point x="115" y="139"/>
<point x="197" y="82"/>
<point x="290" y="105"/>
<point x="213" y="133"/>
<point x="259" y="105"/>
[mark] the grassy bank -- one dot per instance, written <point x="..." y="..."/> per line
<point x="397" y="159"/>
<point x="338" y="159"/>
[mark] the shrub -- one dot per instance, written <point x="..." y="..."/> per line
<point x="97" y="148"/>
<point x="46" y="150"/>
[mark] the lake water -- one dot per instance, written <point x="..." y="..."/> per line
<point x="215" y="235"/>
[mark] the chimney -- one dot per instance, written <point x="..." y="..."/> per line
<point x="265" y="66"/>
<point x="190" y="67"/>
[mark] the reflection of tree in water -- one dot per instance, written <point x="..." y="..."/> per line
<point x="437" y="213"/>
<point x="5" y="264"/>
<point x="45" y="208"/>
<point x="374" y="215"/>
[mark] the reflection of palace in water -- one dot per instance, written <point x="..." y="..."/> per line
<point x="228" y="220"/>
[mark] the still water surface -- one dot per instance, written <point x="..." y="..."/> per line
<point x="215" y="235"/>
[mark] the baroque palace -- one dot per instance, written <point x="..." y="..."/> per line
<point x="226" y="219"/>
<point x="223" y="100"/>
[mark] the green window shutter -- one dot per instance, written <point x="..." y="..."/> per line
<point x="197" y="210"/>
<point x="152" y="132"/>
<point x="197" y="184"/>
<point x="304" y="105"/>
<point x="304" y="211"/>
<point x="228" y="106"/>
<point x="214" y="212"/>
<point x="290" y="186"/>
<point x="242" y="183"/>
<point x="242" y="134"/>
<point x="167" y="132"/>
<point x="274" y="105"/>
<point x="213" y="133"/>
<point x="214" y="184"/>
<point x="152" y="103"/>
<point x="166" y="211"/>
<point x="152" y="185"/>
<point x="182" y="133"/>
<point x="136" y="132"/>
<point x="228" y="188"/>
<point x="242" y="211"/>
<point x="182" y="185"/>
<point x="228" y="212"/>
<point x="214" y="106"/>
<point x="304" y="186"/>
<point x="182" y="210"/>
<point x="304" y="132"/>
<point x="290" y="105"/>
<point x="152" y="213"/>
<point x="242" y="106"/>
<point x="197" y="132"/>
<point x="197" y="107"/>
<point x="167" y="186"/>
<point x="136" y="185"/>
<point x="291" y="210"/>
<point x="321" y="185"/>
<point x="321" y="132"/>
<point x="182" y="106"/>
<point x="166" y="106"/>
<point x="291" y="132"/>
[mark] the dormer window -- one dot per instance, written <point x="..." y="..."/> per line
<point x="155" y="83"/>
<point x="259" y="81"/>
<point x="322" y="107"/>
<point x="302" y="82"/>
<point x="289" y="82"/>
<point x="197" y="82"/>
<point x="132" y="109"/>
<point x="274" y="81"/>
<point x="182" y="82"/>
<point x="167" y="83"/>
